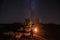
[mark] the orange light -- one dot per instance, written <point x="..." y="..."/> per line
<point x="35" y="30"/>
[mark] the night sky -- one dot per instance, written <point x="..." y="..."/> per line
<point x="16" y="10"/>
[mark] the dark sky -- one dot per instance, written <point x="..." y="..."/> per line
<point x="16" y="10"/>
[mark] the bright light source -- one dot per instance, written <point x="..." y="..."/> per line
<point x="35" y="29"/>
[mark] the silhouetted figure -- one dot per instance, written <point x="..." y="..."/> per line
<point x="31" y="34"/>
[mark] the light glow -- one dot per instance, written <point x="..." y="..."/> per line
<point x="35" y="29"/>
